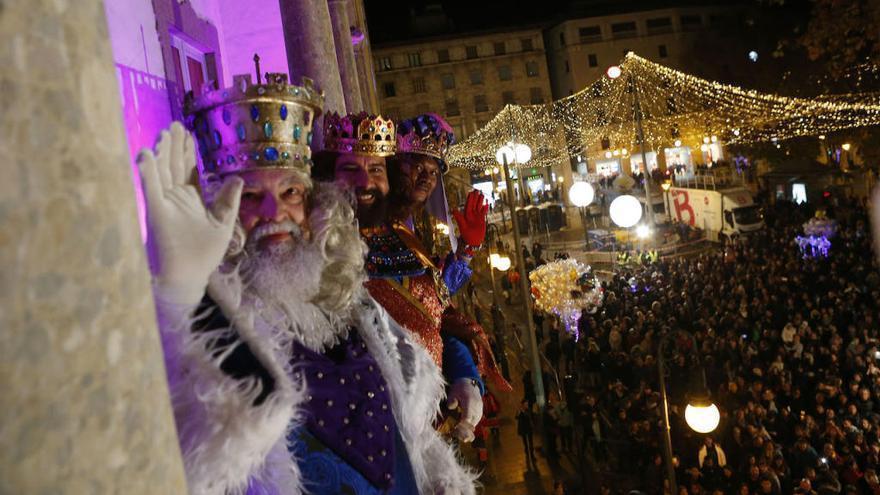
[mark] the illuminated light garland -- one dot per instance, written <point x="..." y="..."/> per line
<point x="566" y="288"/>
<point x="675" y="107"/>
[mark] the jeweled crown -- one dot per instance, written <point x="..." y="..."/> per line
<point x="361" y="134"/>
<point x="427" y="134"/>
<point x="255" y="126"/>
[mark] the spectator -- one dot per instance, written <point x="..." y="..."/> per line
<point x="711" y="451"/>
<point x="788" y="346"/>
<point x="524" y="428"/>
<point x="565" y="422"/>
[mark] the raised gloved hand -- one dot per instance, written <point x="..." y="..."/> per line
<point x="186" y="240"/>
<point x="472" y="220"/>
<point x="465" y="394"/>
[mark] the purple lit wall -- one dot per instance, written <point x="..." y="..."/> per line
<point x="252" y="27"/>
<point x="231" y="31"/>
<point x="143" y="89"/>
<point x="146" y="110"/>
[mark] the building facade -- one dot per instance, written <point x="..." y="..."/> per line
<point x="469" y="78"/>
<point x="579" y="51"/>
<point x="465" y="78"/>
<point x="165" y="48"/>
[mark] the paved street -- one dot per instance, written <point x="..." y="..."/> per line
<point x="507" y="471"/>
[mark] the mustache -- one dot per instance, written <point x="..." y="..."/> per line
<point x="261" y="231"/>
<point x="369" y="190"/>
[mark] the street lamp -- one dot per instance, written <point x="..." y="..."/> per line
<point x="581" y="194"/>
<point x="520" y="154"/>
<point x="665" y="186"/>
<point x="614" y="72"/>
<point x="625" y="211"/>
<point x="702" y="417"/>
<point x="494" y="171"/>
<point x="701" y="414"/>
<point x="500" y="262"/>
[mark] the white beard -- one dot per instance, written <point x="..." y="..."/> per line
<point x="279" y="285"/>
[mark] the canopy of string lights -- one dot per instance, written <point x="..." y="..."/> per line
<point x="676" y="109"/>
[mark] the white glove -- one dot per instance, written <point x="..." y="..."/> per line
<point x="186" y="240"/>
<point x="465" y="393"/>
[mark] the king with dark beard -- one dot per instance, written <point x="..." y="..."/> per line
<point x="286" y="377"/>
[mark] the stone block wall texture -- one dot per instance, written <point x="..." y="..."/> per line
<point x="84" y="407"/>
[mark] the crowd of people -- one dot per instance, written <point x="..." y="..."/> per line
<point x="790" y="349"/>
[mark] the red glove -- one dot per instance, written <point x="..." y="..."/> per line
<point x="472" y="221"/>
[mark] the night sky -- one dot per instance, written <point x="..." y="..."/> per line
<point x="389" y="20"/>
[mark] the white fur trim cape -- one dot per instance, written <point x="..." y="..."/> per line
<point x="235" y="444"/>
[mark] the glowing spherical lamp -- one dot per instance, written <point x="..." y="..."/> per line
<point x="581" y="194"/>
<point x="507" y="152"/>
<point x="522" y="152"/>
<point x="625" y="211"/>
<point x="515" y="153"/>
<point x="502" y="263"/>
<point x="702" y="418"/>
<point x="677" y="143"/>
<point x="613" y="72"/>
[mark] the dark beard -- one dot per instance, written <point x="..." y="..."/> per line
<point x="375" y="214"/>
<point x="400" y="206"/>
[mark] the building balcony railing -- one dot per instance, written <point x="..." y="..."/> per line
<point x="660" y="30"/>
<point x="625" y="35"/>
<point x="591" y="39"/>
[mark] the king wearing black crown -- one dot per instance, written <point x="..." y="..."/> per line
<point x="286" y="377"/>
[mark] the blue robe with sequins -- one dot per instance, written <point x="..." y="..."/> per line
<point x="359" y="414"/>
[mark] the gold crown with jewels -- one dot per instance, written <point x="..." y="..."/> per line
<point x="428" y="134"/>
<point x="361" y="134"/>
<point x="433" y="145"/>
<point x="255" y="126"/>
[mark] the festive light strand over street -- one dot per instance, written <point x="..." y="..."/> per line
<point x="601" y="118"/>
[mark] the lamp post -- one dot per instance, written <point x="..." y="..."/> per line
<point x="614" y="72"/>
<point x="846" y="147"/>
<point x="665" y="186"/>
<point x="701" y="414"/>
<point x="520" y="154"/>
<point x="499" y="262"/>
<point x="581" y="194"/>
<point x="494" y="171"/>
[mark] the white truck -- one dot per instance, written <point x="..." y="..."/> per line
<point x="722" y="212"/>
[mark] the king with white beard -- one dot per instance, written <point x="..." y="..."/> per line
<point x="285" y="376"/>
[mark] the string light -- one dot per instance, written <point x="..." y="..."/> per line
<point x="677" y="109"/>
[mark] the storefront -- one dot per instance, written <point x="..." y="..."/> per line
<point x="607" y="168"/>
<point x="636" y="165"/>
<point x="712" y="152"/>
<point x="679" y="160"/>
<point x="536" y="187"/>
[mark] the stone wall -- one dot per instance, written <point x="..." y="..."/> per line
<point x="84" y="407"/>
